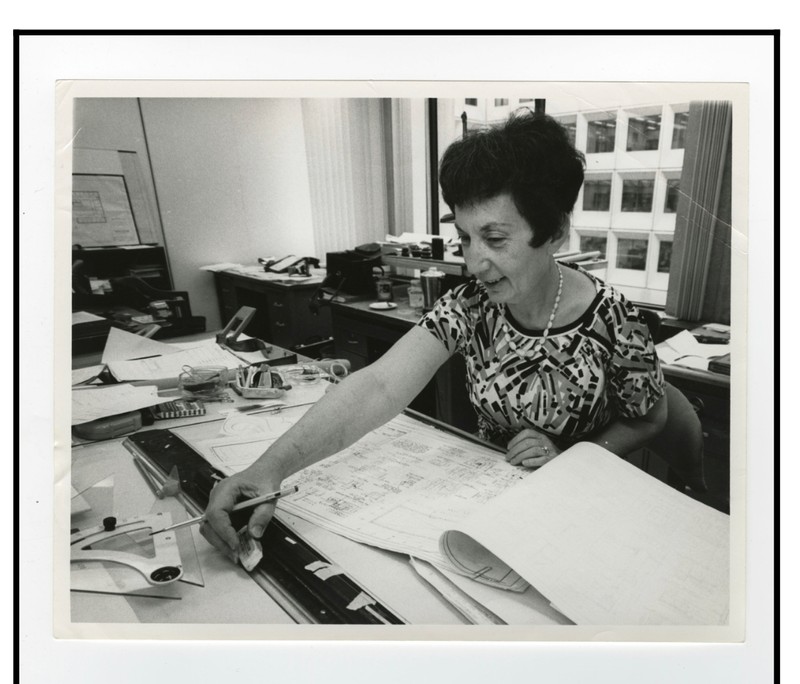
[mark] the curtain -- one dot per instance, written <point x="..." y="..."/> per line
<point x="348" y="147"/>
<point x="700" y="275"/>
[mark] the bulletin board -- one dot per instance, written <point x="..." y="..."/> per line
<point x="111" y="205"/>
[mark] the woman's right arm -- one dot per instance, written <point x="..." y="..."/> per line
<point x="351" y="409"/>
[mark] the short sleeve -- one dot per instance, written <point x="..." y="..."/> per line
<point x="449" y="320"/>
<point x="636" y="381"/>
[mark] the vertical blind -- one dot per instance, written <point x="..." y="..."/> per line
<point x="701" y="268"/>
<point x="347" y="147"/>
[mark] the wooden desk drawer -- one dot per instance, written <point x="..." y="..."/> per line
<point x="350" y="342"/>
<point x="278" y="303"/>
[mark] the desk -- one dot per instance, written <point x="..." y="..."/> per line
<point x="361" y="335"/>
<point x="230" y="596"/>
<point x="282" y="309"/>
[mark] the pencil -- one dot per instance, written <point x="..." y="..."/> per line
<point x="250" y="503"/>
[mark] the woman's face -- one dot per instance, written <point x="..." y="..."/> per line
<point x="496" y="239"/>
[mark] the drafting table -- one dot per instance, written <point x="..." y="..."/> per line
<point x="230" y="595"/>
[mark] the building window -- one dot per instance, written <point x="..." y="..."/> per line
<point x="673" y="192"/>
<point x="679" y="130"/>
<point x="526" y="99"/>
<point x="570" y="127"/>
<point x="500" y="101"/>
<point x="600" y="135"/>
<point x="473" y="101"/>
<point x="594" y="243"/>
<point x="643" y="132"/>
<point x="632" y="253"/>
<point x="637" y="195"/>
<point x="664" y="255"/>
<point x="596" y="195"/>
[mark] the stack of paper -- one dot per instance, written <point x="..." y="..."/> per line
<point x="684" y="350"/>
<point x="101" y="401"/>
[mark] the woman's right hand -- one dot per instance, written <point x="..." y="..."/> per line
<point x="217" y="527"/>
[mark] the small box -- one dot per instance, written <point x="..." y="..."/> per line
<point x="261" y="383"/>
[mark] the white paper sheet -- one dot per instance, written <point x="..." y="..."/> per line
<point x="79" y="317"/>
<point x="80" y="375"/>
<point x="683" y="349"/>
<point x="606" y="543"/>
<point x="122" y="345"/>
<point x="168" y="367"/>
<point x="398" y="488"/>
<point x="101" y="401"/>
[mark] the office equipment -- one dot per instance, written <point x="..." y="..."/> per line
<point x="291" y="265"/>
<point x="260" y="381"/>
<point x="179" y="408"/>
<point x="206" y="383"/>
<point x="242" y="506"/>
<point x="163" y="567"/>
<point x="229" y="335"/>
<point x="353" y="271"/>
<point x="109" y="427"/>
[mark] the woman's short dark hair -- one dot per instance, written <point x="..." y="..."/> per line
<point x="530" y="157"/>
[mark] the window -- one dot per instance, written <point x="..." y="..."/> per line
<point x="643" y="132"/>
<point x="600" y="135"/>
<point x="594" y="243"/>
<point x="471" y="101"/>
<point x="664" y="255"/>
<point x="500" y="101"/>
<point x="679" y="130"/>
<point x="637" y="195"/>
<point x="632" y="253"/>
<point x="673" y="192"/>
<point x="596" y="195"/>
<point x="570" y="132"/>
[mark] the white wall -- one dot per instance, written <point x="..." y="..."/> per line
<point x="232" y="185"/>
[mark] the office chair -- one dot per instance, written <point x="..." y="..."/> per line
<point x="680" y="443"/>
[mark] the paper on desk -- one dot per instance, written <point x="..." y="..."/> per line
<point x="122" y="345"/>
<point x="102" y="401"/>
<point x="605" y="542"/>
<point x="169" y="366"/>
<point x="79" y="317"/>
<point x="684" y="350"/>
<point x="225" y="266"/>
<point x="81" y="375"/>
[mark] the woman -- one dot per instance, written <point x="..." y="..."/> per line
<point x="553" y="355"/>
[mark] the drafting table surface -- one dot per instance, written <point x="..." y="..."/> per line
<point x="230" y="596"/>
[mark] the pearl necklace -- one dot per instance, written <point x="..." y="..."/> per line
<point x="555" y="308"/>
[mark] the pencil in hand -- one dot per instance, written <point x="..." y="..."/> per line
<point x="250" y="503"/>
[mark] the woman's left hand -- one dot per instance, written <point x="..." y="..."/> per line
<point x="531" y="449"/>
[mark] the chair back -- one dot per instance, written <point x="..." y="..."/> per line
<point x="680" y="443"/>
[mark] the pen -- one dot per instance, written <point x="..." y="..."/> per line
<point x="250" y="503"/>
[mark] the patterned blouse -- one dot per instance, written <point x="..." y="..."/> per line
<point x="585" y="375"/>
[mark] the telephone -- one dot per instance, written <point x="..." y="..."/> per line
<point x="291" y="265"/>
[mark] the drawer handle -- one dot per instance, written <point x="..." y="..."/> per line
<point x="277" y="305"/>
<point x="353" y="341"/>
<point x="280" y="325"/>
